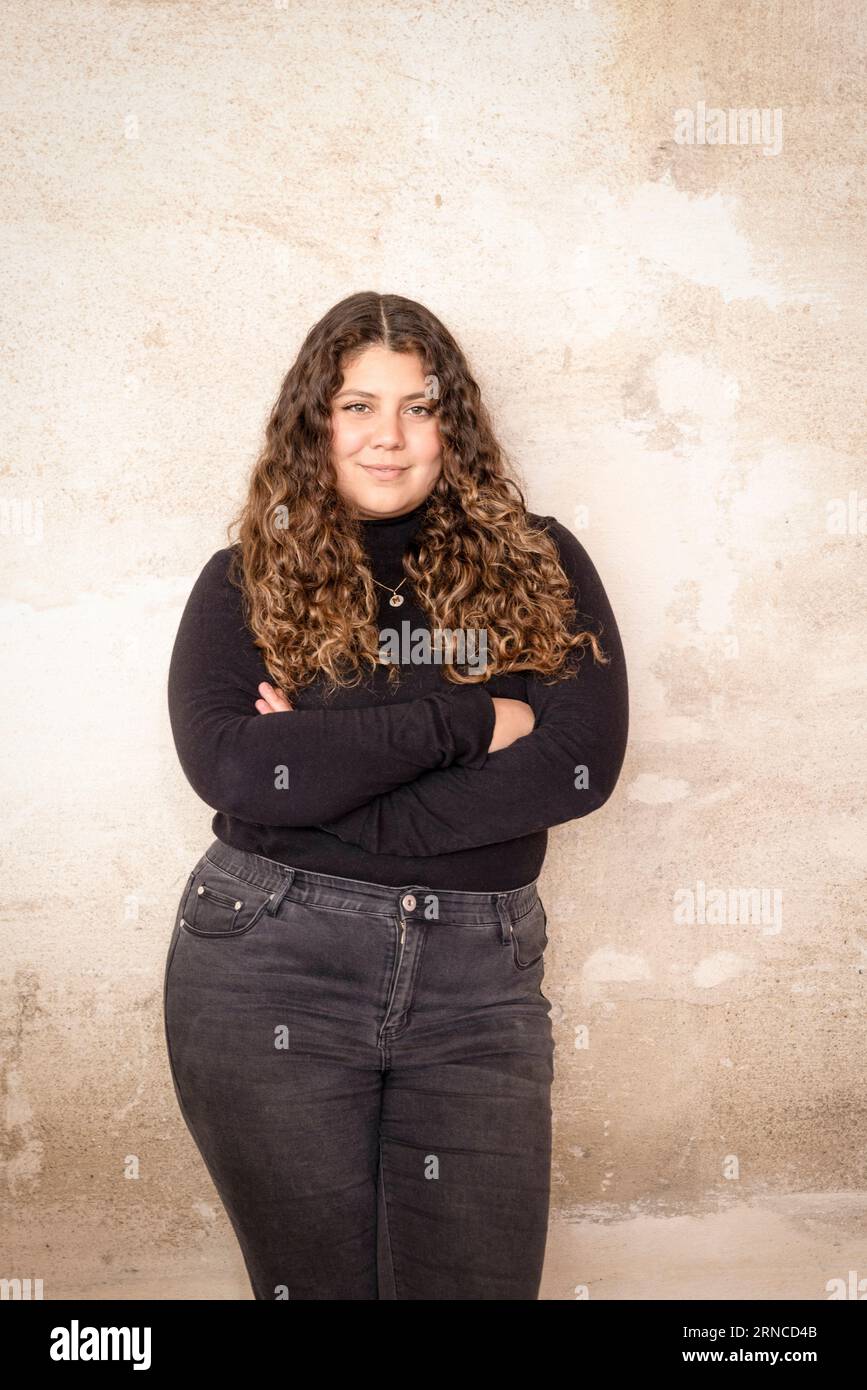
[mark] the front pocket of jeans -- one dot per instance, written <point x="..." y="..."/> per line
<point x="218" y="905"/>
<point x="529" y="937"/>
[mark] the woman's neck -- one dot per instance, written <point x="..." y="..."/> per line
<point x="386" y="538"/>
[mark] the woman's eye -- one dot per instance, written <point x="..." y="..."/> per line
<point x="355" y="405"/>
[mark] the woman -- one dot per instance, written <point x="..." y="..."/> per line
<point x="383" y="690"/>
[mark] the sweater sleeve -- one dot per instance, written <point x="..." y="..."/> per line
<point x="566" y="768"/>
<point x="300" y="766"/>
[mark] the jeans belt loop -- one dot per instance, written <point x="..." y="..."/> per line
<point x="505" y="919"/>
<point x="273" y="905"/>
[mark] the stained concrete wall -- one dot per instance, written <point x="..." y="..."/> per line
<point x="668" y="322"/>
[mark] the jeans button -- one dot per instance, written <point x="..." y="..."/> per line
<point x="408" y="901"/>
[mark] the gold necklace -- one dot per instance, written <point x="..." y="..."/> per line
<point x="396" y="599"/>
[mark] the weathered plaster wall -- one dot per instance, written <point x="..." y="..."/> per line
<point x="672" y="339"/>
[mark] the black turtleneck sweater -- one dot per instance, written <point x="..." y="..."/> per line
<point x="397" y="786"/>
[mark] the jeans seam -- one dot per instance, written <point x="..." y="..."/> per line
<point x="385" y="1222"/>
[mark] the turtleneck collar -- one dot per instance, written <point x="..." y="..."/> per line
<point x="387" y="537"/>
<point x="377" y="522"/>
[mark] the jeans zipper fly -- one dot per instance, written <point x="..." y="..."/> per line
<point x="401" y="940"/>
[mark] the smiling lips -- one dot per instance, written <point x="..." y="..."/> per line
<point x="383" y="472"/>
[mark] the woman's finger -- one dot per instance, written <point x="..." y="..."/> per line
<point x="274" y="699"/>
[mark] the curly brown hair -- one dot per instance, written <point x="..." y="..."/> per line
<point x="475" y="562"/>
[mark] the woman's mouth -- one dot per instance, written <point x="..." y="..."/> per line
<point x="383" y="472"/>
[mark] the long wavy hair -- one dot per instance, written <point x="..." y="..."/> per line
<point x="475" y="562"/>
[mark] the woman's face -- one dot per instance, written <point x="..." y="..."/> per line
<point x="385" y="436"/>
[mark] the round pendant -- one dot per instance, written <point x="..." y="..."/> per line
<point x="396" y="600"/>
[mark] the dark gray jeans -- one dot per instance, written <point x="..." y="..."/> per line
<point x="366" y="1072"/>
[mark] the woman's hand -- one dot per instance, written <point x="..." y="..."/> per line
<point x="273" y="701"/>
<point x="513" y="719"/>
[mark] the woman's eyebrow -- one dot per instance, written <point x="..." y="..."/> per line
<point x="372" y="396"/>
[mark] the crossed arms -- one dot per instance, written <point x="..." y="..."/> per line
<point x="410" y="777"/>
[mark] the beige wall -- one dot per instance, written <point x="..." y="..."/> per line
<point x="672" y="339"/>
